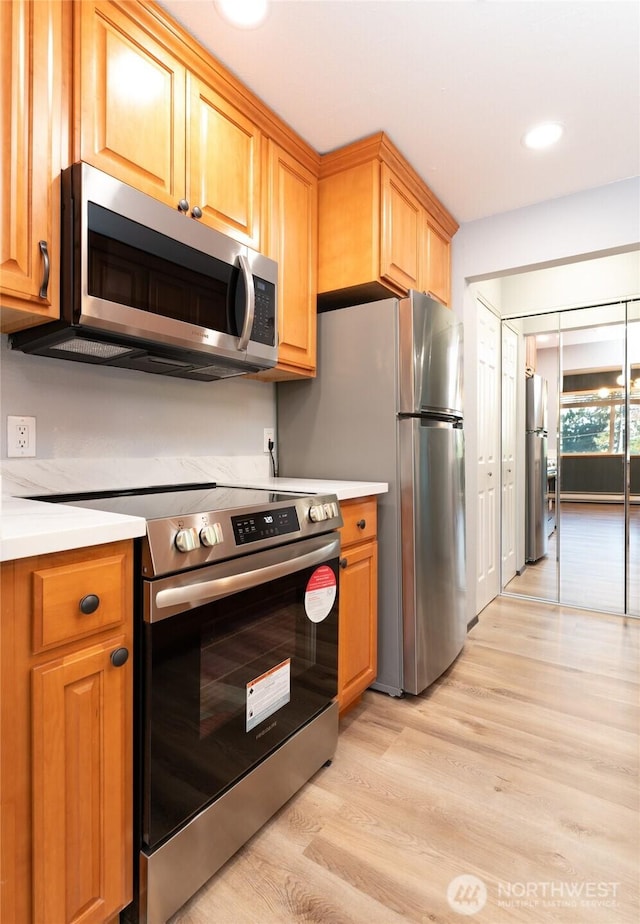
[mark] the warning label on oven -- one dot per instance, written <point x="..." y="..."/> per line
<point x="320" y="593"/>
<point x="268" y="693"/>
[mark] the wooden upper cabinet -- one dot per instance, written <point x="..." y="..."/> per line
<point x="377" y="218"/>
<point x="436" y="277"/>
<point x="224" y="164"/>
<point x="401" y="239"/>
<point x="131" y="98"/>
<point x="33" y="102"/>
<point x="292" y="240"/>
<point x="146" y="119"/>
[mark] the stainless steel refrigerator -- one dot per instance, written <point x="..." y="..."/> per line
<point x="536" y="532"/>
<point x="387" y="406"/>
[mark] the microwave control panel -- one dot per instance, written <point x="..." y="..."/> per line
<point x="263" y="330"/>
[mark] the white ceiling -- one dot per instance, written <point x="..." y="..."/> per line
<point x="454" y="83"/>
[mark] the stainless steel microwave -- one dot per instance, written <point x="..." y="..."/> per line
<point x="147" y="287"/>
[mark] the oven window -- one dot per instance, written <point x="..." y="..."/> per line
<point x="226" y="684"/>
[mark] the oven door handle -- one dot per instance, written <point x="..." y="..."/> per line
<point x="202" y="592"/>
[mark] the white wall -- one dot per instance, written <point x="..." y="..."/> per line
<point x="572" y="285"/>
<point x="84" y="411"/>
<point x="583" y="226"/>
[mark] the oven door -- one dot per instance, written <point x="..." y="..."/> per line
<point x="236" y="658"/>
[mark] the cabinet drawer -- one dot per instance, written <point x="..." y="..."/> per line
<point x="76" y="599"/>
<point x="360" y="520"/>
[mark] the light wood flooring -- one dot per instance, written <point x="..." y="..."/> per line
<point x="589" y="550"/>
<point x="519" y="767"/>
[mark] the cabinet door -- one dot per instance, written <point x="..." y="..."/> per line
<point x="224" y="177"/>
<point x="437" y="280"/>
<point x="401" y="245"/>
<point x="31" y="155"/>
<point x="82" y="809"/>
<point x="292" y="209"/>
<point x="357" y="653"/>
<point x="131" y="102"/>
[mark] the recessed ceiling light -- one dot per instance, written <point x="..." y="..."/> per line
<point x="248" y="14"/>
<point x="542" y="136"/>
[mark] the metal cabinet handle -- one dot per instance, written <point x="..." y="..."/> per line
<point x="44" y="250"/>
<point x="89" y="604"/>
<point x="361" y="524"/>
<point x="196" y="211"/>
<point x="343" y="563"/>
<point x="119" y="657"/>
<point x="183" y="205"/>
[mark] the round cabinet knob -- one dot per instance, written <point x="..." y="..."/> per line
<point x="196" y="211"/>
<point x="343" y="563"/>
<point x="187" y="539"/>
<point x="89" y="604"/>
<point x="361" y="524"/>
<point x="211" y="535"/>
<point x="317" y="513"/>
<point x="119" y="657"/>
<point x="183" y="205"/>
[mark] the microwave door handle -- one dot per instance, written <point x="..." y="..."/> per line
<point x="206" y="591"/>
<point x="250" y="306"/>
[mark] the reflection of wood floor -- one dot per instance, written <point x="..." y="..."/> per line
<point x="519" y="766"/>
<point x="591" y="561"/>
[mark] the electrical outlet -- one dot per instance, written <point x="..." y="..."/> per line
<point x="21" y="437"/>
<point x="269" y="437"/>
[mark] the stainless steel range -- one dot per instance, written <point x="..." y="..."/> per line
<point x="236" y="671"/>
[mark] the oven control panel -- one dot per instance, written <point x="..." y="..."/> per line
<point x="320" y="512"/>
<point x="265" y="525"/>
<point x="190" y="540"/>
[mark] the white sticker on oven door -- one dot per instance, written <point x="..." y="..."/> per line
<point x="268" y="693"/>
<point x="320" y="593"/>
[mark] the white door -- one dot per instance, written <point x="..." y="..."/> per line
<point x="509" y="417"/>
<point x="488" y="416"/>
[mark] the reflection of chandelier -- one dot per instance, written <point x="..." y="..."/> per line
<point x="633" y="383"/>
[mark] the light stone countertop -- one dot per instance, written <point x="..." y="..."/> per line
<point x="29" y="527"/>
<point x="35" y="528"/>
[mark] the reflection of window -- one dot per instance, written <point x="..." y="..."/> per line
<point x="593" y="421"/>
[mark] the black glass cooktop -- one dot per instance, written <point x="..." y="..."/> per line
<point x="163" y="501"/>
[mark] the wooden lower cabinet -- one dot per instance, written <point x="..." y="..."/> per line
<point x="358" y="614"/>
<point x="66" y="840"/>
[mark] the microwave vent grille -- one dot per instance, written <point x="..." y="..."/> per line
<point x="93" y="348"/>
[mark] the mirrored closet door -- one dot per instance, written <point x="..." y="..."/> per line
<point x="573" y="533"/>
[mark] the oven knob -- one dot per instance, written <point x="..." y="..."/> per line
<point x="187" y="539"/>
<point x="211" y="535"/>
<point x="316" y="513"/>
